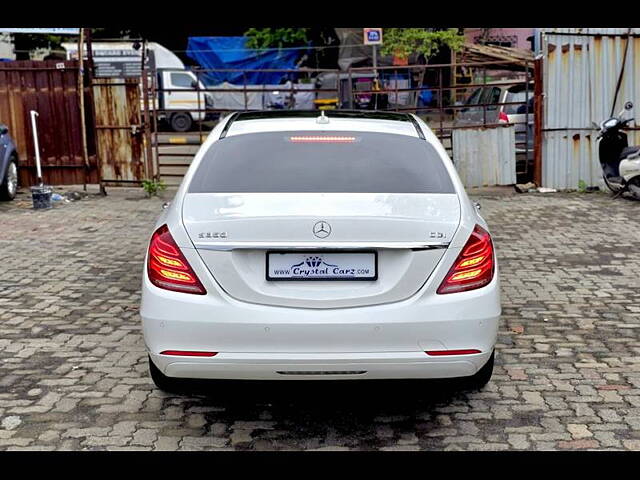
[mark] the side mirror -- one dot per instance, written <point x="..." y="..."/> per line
<point x="628" y="105"/>
<point x="194" y="84"/>
<point x="4" y="129"/>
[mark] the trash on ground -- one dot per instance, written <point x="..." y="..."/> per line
<point x="41" y="195"/>
<point x="73" y="195"/>
<point x="525" y="187"/>
<point x="547" y="190"/>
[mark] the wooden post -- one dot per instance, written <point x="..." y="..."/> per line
<point x="146" y="133"/>
<point x="83" y="126"/>
<point x="91" y="73"/>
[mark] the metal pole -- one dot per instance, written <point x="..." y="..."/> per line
<point x="338" y="91"/>
<point x="375" y="60"/>
<point x="537" y="119"/>
<point x="376" y="82"/>
<point x="350" y="89"/>
<point x="291" y="95"/>
<point x="244" y="89"/>
<point x="441" y="109"/>
<point x="154" y="99"/>
<point x="201" y="115"/>
<point x="397" y="99"/>
<point x="36" y="146"/>
<point x="416" y="97"/>
<point x="526" y="117"/>
<point x="484" y="108"/>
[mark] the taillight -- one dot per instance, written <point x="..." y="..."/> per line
<point x="168" y="268"/>
<point x="474" y="266"/>
<point x="503" y="118"/>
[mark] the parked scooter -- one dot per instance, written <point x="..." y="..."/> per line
<point x="620" y="162"/>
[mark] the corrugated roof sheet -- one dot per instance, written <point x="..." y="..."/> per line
<point x="590" y="31"/>
<point x="472" y="52"/>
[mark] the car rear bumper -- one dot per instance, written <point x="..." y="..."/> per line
<point x="346" y="366"/>
<point x="261" y="342"/>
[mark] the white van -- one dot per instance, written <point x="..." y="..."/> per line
<point x="179" y="104"/>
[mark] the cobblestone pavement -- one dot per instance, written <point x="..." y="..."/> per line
<point x="73" y="370"/>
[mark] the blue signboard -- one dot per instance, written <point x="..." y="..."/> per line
<point x="372" y="36"/>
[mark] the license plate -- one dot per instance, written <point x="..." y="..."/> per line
<point x="322" y="265"/>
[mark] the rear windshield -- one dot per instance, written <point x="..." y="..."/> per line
<point x="321" y="162"/>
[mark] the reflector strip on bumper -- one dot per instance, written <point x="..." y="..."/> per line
<point x="452" y="352"/>
<point x="182" y="353"/>
<point x="328" y="372"/>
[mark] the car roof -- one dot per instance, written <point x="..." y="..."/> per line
<point x="335" y="120"/>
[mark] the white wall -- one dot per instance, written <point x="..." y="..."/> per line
<point x="6" y="46"/>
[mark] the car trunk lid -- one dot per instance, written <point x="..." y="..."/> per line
<point x="233" y="232"/>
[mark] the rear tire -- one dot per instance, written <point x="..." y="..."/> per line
<point x="482" y="377"/>
<point x="609" y="186"/>
<point x="164" y="383"/>
<point x="181" y="122"/>
<point x="9" y="185"/>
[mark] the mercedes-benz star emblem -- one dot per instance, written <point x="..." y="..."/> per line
<point x="322" y="229"/>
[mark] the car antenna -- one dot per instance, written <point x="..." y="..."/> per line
<point x="322" y="118"/>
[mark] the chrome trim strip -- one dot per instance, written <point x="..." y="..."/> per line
<point x="322" y="372"/>
<point x="227" y="246"/>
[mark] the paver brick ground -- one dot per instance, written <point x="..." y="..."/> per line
<point x="73" y="367"/>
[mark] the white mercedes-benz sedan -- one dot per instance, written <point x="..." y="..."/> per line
<point x="307" y="246"/>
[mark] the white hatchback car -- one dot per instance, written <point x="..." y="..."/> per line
<point x="305" y="246"/>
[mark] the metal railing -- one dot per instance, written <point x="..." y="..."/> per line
<point x="355" y="88"/>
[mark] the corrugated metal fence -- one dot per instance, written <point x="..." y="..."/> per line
<point x="580" y="70"/>
<point x="485" y="156"/>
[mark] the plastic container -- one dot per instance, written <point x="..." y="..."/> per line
<point x="41" y="195"/>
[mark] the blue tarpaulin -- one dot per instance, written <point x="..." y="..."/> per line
<point x="231" y="52"/>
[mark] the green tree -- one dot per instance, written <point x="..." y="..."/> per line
<point x="24" y="43"/>
<point x="402" y="42"/>
<point x="259" y="38"/>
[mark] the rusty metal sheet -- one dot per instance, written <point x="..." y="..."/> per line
<point x="485" y="156"/>
<point x="118" y="130"/>
<point x="580" y="76"/>
<point x="50" y="88"/>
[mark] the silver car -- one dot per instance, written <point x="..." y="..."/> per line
<point x="8" y="165"/>
<point x="516" y="114"/>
